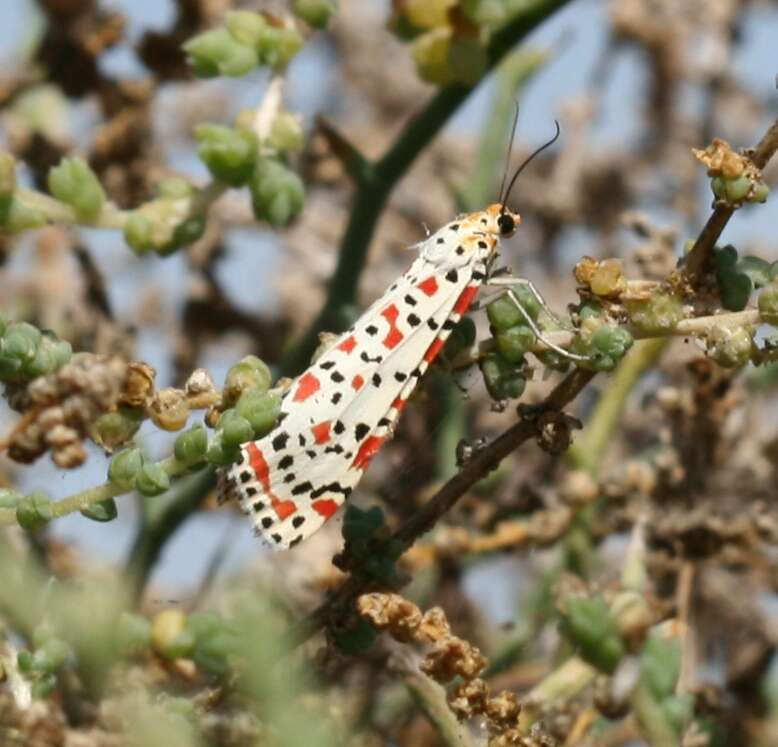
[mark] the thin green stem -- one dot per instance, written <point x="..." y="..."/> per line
<point x="431" y="698"/>
<point x="89" y="497"/>
<point x="590" y="447"/>
<point x="376" y="180"/>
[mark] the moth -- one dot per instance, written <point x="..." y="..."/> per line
<point x="337" y="414"/>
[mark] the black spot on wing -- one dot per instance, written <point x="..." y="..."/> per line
<point x="286" y="462"/>
<point x="432" y="324"/>
<point x="336" y="398"/>
<point x="303" y="487"/>
<point x="414" y="320"/>
<point x="371" y="329"/>
<point x="298" y="521"/>
<point x="376" y="380"/>
<point x="327" y="365"/>
<point x="410" y="300"/>
<point x="339" y="427"/>
<point x="400" y="376"/>
<point x="361" y="430"/>
<point x="452" y="276"/>
<point x="279" y="442"/>
<point x="267" y="522"/>
<point x="337" y="377"/>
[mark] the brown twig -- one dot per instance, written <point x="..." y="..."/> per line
<point x="483" y="462"/>
<point x="697" y="259"/>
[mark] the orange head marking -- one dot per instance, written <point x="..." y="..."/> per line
<point x="498" y="221"/>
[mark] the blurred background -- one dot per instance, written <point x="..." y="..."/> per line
<point x="635" y="85"/>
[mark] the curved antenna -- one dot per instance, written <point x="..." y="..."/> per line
<point x="508" y="153"/>
<point x="529" y="158"/>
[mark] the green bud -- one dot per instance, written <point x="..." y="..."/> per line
<point x="734" y="289"/>
<point x="133" y="633"/>
<point x="315" y="13"/>
<point x="55" y="652"/>
<point x="212" y="651"/>
<point x="249" y="373"/>
<point x="151" y="479"/>
<point x="362" y="524"/>
<point x="41" y="633"/>
<point x="730" y="348"/>
<point x="18" y="217"/>
<point x="724" y="257"/>
<point x="768" y="302"/>
<point x="44" y="686"/>
<point x="503" y="312"/>
<point x="235" y="429"/>
<point x="139" y="232"/>
<point x="217" y="52"/>
<point x="103" y="511"/>
<point x="43" y="362"/>
<point x="286" y="134"/>
<point x="431" y="54"/>
<point x="175" y="188"/>
<point x="112" y="429"/>
<point x="20" y="341"/>
<point x="759" y="192"/>
<point x="34" y="511"/>
<point x="218" y="453"/>
<point x="588" y="624"/>
<point x="590" y="310"/>
<point x="503" y="380"/>
<point x="191" y="445"/>
<point x="279" y="45"/>
<point x="9" y="498"/>
<point x="229" y="154"/>
<point x="611" y="341"/>
<point x="491" y="13"/>
<point x="660" y="665"/>
<point x="658" y="314"/>
<point x="123" y="468"/>
<point x="514" y="343"/>
<point x="184" y="234"/>
<point x="277" y="193"/>
<point x="74" y="183"/>
<point x="246" y="27"/>
<point x="261" y="409"/>
<point x="461" y="338"/>
<point x="756" y="268"/>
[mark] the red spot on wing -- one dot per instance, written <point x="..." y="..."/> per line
<point x="348" y="344"/>
<point x="465" y="299"/>
<point x="429" y="286"/>
<point x="284" y="508"/>
<point x="393" y="336"/>
<point x="433" y="350"/>
<point x="325" y="506"/>
<point x="399" y="403"/>
<point x="357" y="382"/>
<point x="261" y="470"/>
<point x="367" y="451"/>
<point x="306" y="387"/>
<point x="321" y="432"/>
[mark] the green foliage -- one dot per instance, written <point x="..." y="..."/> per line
<point x="112" y="429"/>
<point x="515" y="342"/>
<point x="218" y="52"/>
<point x="736" y="189"/>
<point x="191" y="445"/>
<point x="250" y="373"/>
<point x="656" y="315"/>
<point x="74" y="183"/>
<point x="461" y="338"/>
<point x="589" y="626"/>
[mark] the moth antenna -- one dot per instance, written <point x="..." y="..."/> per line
<point x="508" y="153"/>
<point x="527" y="161"/>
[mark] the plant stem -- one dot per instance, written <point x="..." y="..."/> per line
<point x="376" y="180"/>
<point x="85" y="498"/>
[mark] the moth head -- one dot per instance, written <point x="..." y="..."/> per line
<point x="501" y="222"/>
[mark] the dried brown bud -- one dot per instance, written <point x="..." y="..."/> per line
<point x="721" y="160"/>
<point x="391" y="612"/>
<point x="503" y="709"/>
<point x="169" y="409"/>
<point x="434" y="625"/>
<point x="138" y="384"/>
<point x="469" y="699"/>
<point x="451" y="657"/>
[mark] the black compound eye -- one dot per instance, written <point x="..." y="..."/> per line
<point x="506" y="224"/>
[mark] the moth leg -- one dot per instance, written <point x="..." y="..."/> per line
<point x="535" y="329"/>
<point x="501" y="282"/>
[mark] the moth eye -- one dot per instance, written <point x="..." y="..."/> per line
<point x="506" y="224"/>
